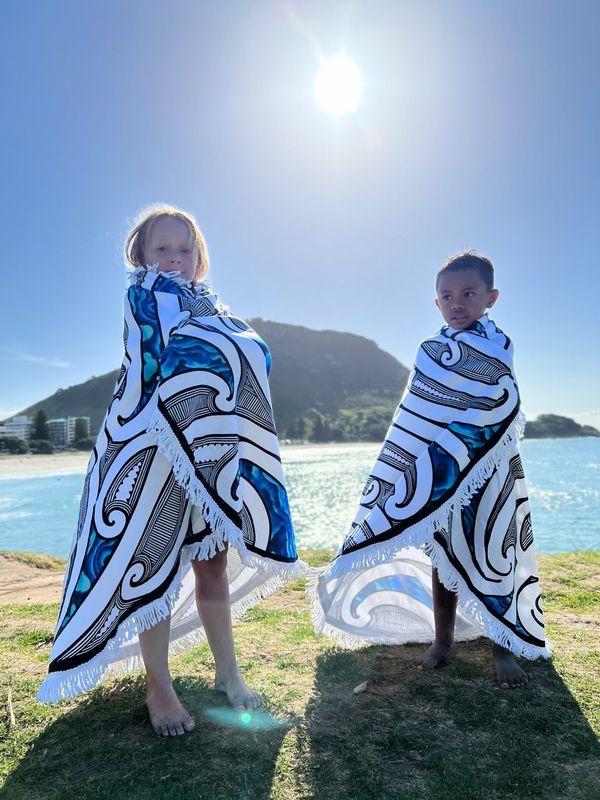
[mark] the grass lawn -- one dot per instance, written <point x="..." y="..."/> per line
<point x="447" y="734"/>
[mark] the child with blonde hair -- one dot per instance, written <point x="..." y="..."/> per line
<point x="185" y="473"/>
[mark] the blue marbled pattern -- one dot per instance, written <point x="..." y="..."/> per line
<point x="274" y="497"/>
<point x="392" y="583"/>
<point x="186" y="353"/>
<point x="97" y="556"/>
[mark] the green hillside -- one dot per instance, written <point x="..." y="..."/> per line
<point x="325" y="386"/>
<point x="328" y="385"/>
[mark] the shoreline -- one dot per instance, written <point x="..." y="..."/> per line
<point x="21" y="466"/>
<point x="73" y="462"/>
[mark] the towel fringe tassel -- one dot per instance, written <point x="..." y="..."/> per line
<point x="421" y="537"/>
<point x="107" y="664"/>
<point x="69" y="683"/>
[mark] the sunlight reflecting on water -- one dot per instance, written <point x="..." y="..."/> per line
<point x="325" y="484"/>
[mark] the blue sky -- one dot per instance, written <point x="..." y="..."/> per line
<point x="478" y="127"/>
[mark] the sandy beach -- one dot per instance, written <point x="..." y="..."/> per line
<point x="56" y="464"/>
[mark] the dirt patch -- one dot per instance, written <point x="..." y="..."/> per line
<point x="23" y="583"/>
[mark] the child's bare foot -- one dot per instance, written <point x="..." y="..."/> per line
<point x="509" y="673"/>
<point x="438" y="655"/>
<point x="167" y="716"/>
<point x="239" y="694"/>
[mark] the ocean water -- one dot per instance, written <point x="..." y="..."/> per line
<point x="325" y="482"/>
<point x="563" y="478"/>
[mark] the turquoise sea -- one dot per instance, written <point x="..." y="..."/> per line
<point x="325" y="482"/>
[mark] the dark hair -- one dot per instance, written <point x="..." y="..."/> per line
<point x="472" y="260"/>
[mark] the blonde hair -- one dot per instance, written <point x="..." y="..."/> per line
<point x="138" y="237"/>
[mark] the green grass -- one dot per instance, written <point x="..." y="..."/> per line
<point x="447" y="734"/>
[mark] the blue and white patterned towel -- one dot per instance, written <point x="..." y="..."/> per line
<point x="187" y="460"/>
<point x="447" y="489"/>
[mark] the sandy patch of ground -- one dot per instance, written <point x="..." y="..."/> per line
<point x="21" y="583"/>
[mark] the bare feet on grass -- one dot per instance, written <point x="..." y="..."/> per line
<point x="167" y="716"/>
<point x="239" y="694"/>
<point x="509" y="673"/>
<point x="438" y="655"/>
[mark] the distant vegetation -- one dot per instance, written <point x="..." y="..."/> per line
<point x="326" y="386"/>
<point x="555" y="427"/>
<point x="39" y="439"/>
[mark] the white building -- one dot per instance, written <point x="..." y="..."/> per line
<point x="71" y="428"/>
<point x="62" y="430"/>
<point x="18" y="427"/>
<point x="58" y="431"/>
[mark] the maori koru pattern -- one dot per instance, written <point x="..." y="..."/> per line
<point x="449" y="480"/>
<point x="200" y="374"/>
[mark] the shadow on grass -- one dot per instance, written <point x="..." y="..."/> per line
<point x="105" y="748"/>
<point x="446" y="734"/>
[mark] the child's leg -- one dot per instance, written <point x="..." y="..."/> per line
<point x="212" y="600"/>
<point x="509" y="673"/>
<point x="167" y="715"/>
<point x="444" y="613"/>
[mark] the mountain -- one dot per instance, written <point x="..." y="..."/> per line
<point x="325" y="385"/>
<point x="330" y="385"/>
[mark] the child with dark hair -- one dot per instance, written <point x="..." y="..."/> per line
<point x="442" y="544"/>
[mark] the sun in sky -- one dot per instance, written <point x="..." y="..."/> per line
<point x="338" y="86"/>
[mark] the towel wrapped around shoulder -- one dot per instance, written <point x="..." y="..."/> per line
<point x="186" y="462"/>
<point x="448" y="490"/>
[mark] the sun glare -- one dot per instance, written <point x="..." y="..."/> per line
<point x="338" y="86"/>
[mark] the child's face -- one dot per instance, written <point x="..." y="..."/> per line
<point x="171" y="244"/>
<point x="463" y="297"/>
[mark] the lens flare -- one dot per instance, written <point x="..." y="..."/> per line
<point x="257" y="720"/>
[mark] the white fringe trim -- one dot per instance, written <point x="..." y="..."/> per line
<point x="110" y="664"/>
<point x="174" y="275"/>
<point x="421" y="536"/>
<point x="222" y="528"/>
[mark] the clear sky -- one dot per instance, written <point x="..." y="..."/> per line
<point x="479" y="126"/>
